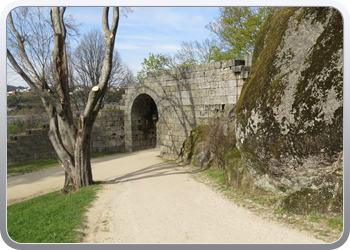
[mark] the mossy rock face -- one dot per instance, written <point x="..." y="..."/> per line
<point x="194" y="150"/>
<point x="327" y="200"/>
<point x="239" y="174"/>
<point x="289" y="118"/>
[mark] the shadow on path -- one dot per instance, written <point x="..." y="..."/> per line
<point x="156" y="170"/>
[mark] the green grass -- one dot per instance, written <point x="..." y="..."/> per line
<point x="216" y="174"/>
<point x="51" y="218"/>
<point x="28" y="167"/>
<point x="336" y="223"/>
<point x="281" y="210"/>
<point x="95" y="155"/>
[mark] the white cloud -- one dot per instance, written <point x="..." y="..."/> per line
<point x="168" y="47"/>
<point x="119" y="46"/>
<point x="136" y="37"/>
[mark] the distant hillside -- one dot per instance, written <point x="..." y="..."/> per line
<point x="11" y="87"/>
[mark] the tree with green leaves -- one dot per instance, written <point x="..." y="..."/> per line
<point x="236" y="29"/>
<point x="153" y="63"/>
<point x="233" y="35"/>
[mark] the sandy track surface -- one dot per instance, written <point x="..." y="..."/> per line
<point x="149" y="201"/>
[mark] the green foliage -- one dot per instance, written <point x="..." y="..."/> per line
<point x="25" y="103"/>
<point x="12" y="100"/>
<point x="19" y="126"/>
<point x="116" y="96"/>
<point x="153" y="63"/>
<point x="188" y="62"/>
<point x="234" y="32"/>
<point x="237" y="29"/>
<point x="13" y="129"/>
<point x="51" y="218"/>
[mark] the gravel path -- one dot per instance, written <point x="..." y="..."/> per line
<point x="149" y="201"/>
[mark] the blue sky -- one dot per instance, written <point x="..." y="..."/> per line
<point x="146" y="30"/>
<point x="151" y="29"/>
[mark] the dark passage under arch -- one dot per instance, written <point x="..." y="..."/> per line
<point x="144" y="118"/>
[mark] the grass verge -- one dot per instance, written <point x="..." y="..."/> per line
<point x="50" y="218"/>
<point x="28" y="167"/>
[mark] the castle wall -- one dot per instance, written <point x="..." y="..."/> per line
<point x="107" y="135"/>
<point x="160" y="111"/>
<point x="185" y="98"/>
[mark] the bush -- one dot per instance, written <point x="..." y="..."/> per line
<point x="13" y="129"/>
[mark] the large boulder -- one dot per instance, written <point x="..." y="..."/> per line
<point x="289" y="118"/>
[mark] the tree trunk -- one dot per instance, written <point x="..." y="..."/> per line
<point x="71" y="143"/>
<point x="83" y="172"/>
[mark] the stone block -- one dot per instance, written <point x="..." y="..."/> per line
<point x="231" y="84"/>
<point x="21" y="158"/>
<point x="204" y="85"/>
<point x="223" y="99"/>
<point x="220" y="92"/>
<point x="11" y="160"/>
<point x="194" y="86"/>
<point x="217" y="65"/>
<point x="214" y="85"/>
<point x="212" y="92"/>
<point x="232" y="99"/>
<point x="236" y="69"/>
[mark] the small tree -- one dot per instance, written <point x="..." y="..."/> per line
<point x="71" y="142"/>
<point x="153" y="63"/>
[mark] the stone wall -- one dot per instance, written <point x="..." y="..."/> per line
<point x="184" y="98"/>
<point x="31" y="147"/>
<point x="107" y="135"/>
<point x="108" y="132"/>
<point x="160" y="111"/>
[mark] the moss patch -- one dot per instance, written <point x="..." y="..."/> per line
<point x="311" y="201"/>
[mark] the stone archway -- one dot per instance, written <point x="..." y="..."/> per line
<point x="144" y="119"/>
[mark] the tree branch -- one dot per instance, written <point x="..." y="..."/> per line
<point x="96" y="95"/>
<point x="40" y="92"/>
<point x="22" y="50"/>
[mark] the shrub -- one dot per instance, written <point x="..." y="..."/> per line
<point x="13" y="129"/>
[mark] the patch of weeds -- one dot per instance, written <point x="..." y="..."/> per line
<point x="281" y="210"/>
<point x="315" y="218"/>
<point x="262" y="201"/>
<point x="336" y="223"/>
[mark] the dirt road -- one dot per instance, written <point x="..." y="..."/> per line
<point x="149" y="201"/>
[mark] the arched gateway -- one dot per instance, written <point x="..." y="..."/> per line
<point x="162" y="109"/>
<point x="141" y="119"/>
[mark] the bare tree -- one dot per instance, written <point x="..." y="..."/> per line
<point x="71" y="142"/>
<point x="86" y="68"/>
<point x="194" y="52"/>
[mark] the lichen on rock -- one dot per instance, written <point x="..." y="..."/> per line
<point x="289" y="118"/>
